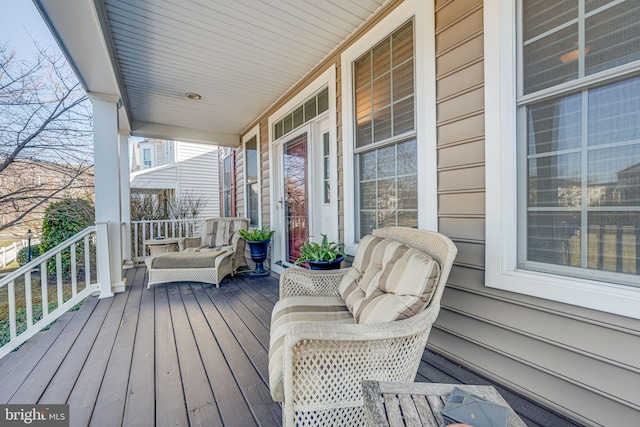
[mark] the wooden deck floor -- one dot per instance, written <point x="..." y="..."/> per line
<point x="175" y="355"/>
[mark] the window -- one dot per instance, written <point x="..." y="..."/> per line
<point x="579" y="150"/>
<point x="146" y="158"/>
<point x="252" y="186"/>
<point x="302" y="114"/>
<point x="576" y="151"/>
<point x="228" y="185"/>
<point x="385" y="134"/>
<point x="389" y="125"/>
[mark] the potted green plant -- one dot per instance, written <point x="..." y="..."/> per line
<point x="258" y="240"/>
<point x="324" y="256"/>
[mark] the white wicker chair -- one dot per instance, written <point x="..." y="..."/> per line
<point x="325" y="363"/>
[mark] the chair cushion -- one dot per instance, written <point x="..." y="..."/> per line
<point x="388" y="281"/>
<point x="185" y="260"/>
<point x="286" y="313"/>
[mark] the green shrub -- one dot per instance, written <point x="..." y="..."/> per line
<point x="22" y="254"/>
<point x="62" y="220"/>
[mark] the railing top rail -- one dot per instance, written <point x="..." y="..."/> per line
<point x="156" y="221"/>
<point x="35" y="262"/>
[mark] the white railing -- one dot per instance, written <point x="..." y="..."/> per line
<point x="8" y="254"/>
<point x="75" y="279"/>
<point x="150" y="229"/>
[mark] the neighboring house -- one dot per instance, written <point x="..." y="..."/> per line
<point x="163" y="169"/>
<point x="25" y="182"/>
<point x="510" y="126"/>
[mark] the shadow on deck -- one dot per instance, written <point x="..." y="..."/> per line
<point x="176" y="355"/>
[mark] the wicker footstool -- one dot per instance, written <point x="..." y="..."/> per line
<point x="206" y="267"/>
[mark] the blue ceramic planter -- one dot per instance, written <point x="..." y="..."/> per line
<point x="326" y="265"/>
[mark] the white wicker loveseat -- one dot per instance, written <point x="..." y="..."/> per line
<point x="209" y="258"/>
<point x="331" y="330"/>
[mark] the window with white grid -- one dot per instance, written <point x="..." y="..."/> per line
<point x="579" y="138"/>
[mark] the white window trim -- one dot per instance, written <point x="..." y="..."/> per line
<point x="144" y="146"/>
<point x="425" y="99"/>
<point x="253" y="132"/>
<point x="502" y="271"/>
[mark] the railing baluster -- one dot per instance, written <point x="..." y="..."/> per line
<point x="136" y="250"/>
<point x="74" y="271"/>
<point x="43" y="287"/>
<point x="59" y="277"/>
<point x="144" y="236"/>
<point x="28" y="300"/>
<point x="11" y="289"/>
<point x="173" y="229"/>
<point x="166" y="229"/>
<point x="87" y="262"/>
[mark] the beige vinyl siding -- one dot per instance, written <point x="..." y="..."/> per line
<point x="579" y="362"/>
<point x="198" y="173"/>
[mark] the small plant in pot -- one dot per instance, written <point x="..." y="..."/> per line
<point x="258" y="240"/>
<point x="324" y="256"/>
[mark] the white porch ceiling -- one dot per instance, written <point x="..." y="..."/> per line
<point x="239" y="55"/>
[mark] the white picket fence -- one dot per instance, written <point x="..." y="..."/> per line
<point x="88" y="267"/>
<point x="170" y="228"/>
<point x="8" y="254"/>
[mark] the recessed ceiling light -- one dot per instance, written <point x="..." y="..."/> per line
<point x="192" y="96"/>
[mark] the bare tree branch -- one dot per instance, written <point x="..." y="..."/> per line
<point x="46" y="150"/>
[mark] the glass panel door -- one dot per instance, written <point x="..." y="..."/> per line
<point x="296" y="201"/>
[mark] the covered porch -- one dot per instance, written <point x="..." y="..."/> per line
<point x="241" y="75"/>
<point x="177" y="355"/>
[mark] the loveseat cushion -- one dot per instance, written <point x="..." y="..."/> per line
<point x="185" y="260"/>
<point x="226" y="248"/>
<point x="388" y="281"/>
<point x="286" y="313"/>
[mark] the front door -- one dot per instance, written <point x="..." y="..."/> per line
<point x="304" y="176"/>
<point x="295" y="173"/>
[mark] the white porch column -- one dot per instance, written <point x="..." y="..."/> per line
<point x="107" y="181"/>
<point x="125" y="199"/>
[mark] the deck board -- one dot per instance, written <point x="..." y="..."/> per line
<point x="177" y="355"/>
<point x="170" y="407"/>
<point x="231" y="404"/>
<point x="85" y="391"/>
<point x="140" y="406"/>
<point x="237" y="348"/>
<point x="112" y="394"/>
<point x="61" y="385"/>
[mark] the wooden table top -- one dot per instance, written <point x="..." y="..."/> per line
<point x="419" y="404"/>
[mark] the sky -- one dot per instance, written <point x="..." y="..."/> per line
<point x="20" y="25"/>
